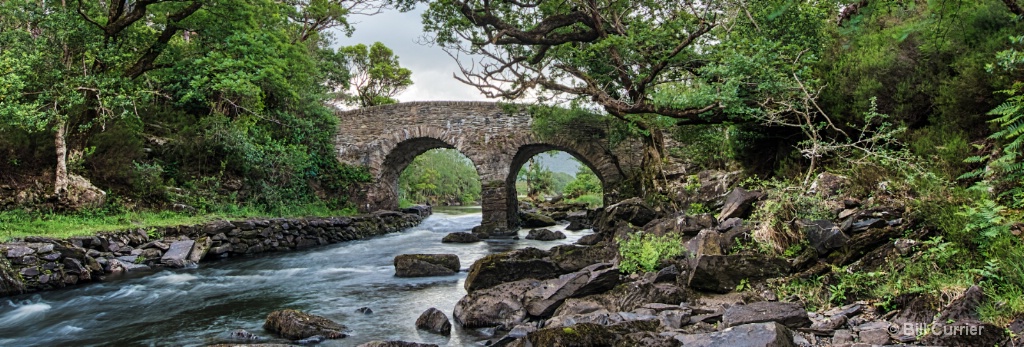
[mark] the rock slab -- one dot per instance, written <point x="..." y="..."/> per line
<point x="424" y="265"/>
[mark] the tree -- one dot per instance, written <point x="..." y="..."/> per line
<point x="376" y="74"/>
<point x="643" y="61"/>
<point x="84" y="62"/>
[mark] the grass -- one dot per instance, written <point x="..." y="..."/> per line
<point x="21" y="223"/>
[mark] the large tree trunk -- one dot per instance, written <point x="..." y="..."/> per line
<point x="60" y="181"/>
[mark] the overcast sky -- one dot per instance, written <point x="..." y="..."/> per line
<point x="431" y="67"/>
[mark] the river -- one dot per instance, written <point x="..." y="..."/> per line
<point x="201" y="305"/>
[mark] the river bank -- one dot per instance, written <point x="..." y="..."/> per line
<point x="36" y="264"/>
<point x="199" y="306"/>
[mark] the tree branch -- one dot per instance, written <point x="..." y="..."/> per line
<point x="145" y="62"/>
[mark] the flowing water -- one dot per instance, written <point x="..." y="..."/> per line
<point x="199" y="306"/>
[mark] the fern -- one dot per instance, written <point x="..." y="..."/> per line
<point x="1006" y="169"/>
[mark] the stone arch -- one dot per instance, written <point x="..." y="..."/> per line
<point x="394" y="152"/>
<point x="600" y="161"/>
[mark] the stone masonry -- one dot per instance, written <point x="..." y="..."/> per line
<point x="387" y="138"/>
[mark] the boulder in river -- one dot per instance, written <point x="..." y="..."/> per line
<point x="295" y="325"/>
<point x="535" y="220"/>
<point x="435" y="321"/>
<point x="460" y="237"/>
<point x="544" y="235"/>
<point x="423" y="265"/>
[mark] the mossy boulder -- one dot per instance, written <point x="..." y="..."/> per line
<point x="296" y="325"/>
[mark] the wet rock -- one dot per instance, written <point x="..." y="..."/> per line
<point x="395" y="344"/>
<point x="501" y="304"/>
<point x="535" y="220"/>
<point x="584" y="334"/>
<point x="544" y="235"/>
<point x="500" y="268"/>
<point x="545" y="299"/>
<point x="769" y="334"/>
<point x="823" y="235"/>
<point x="722" y="273"/>
<point x="738" y="203"/>
<point x="460" y="237"/>
<point x="295" y="325"/>
<point x="364" y="310"/>
<point x="435" y="321"/>
<point x="177" y="254"/>
<point x="118" y="266"/>
<point x="423" y="265"/>
<point x="792" y="315"/>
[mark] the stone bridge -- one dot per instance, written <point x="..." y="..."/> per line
<point x="498" y="141"/>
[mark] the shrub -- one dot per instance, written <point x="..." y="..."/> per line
<point x="643" y="252"/>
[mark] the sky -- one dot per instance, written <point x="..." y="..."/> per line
<point x="431" y="67"/>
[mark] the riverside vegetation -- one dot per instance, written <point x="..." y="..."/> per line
<point x="875" y="144"/>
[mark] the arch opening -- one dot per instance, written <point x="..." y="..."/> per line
<point x="532" y="162"/>
<point x="439" y="177"/>
<point x="401" y="157"/>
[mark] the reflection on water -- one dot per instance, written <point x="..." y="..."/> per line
<point x="200" y="306"/>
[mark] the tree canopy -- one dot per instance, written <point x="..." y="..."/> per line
<point x="375" y="74"/>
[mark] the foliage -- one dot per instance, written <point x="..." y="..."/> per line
<point x="585" y="183"/>
<point x="440" y="177"/>
<point x="925" y="63"/>
<point x="591" y="200"/>
<point x="1007" y="168"/>
<point x="784" y="204"/>
<point x="539" y="180"/>
<point x="376" y="75"/>
<point x="24" y="223"/>
<point x="643" y="252"/>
